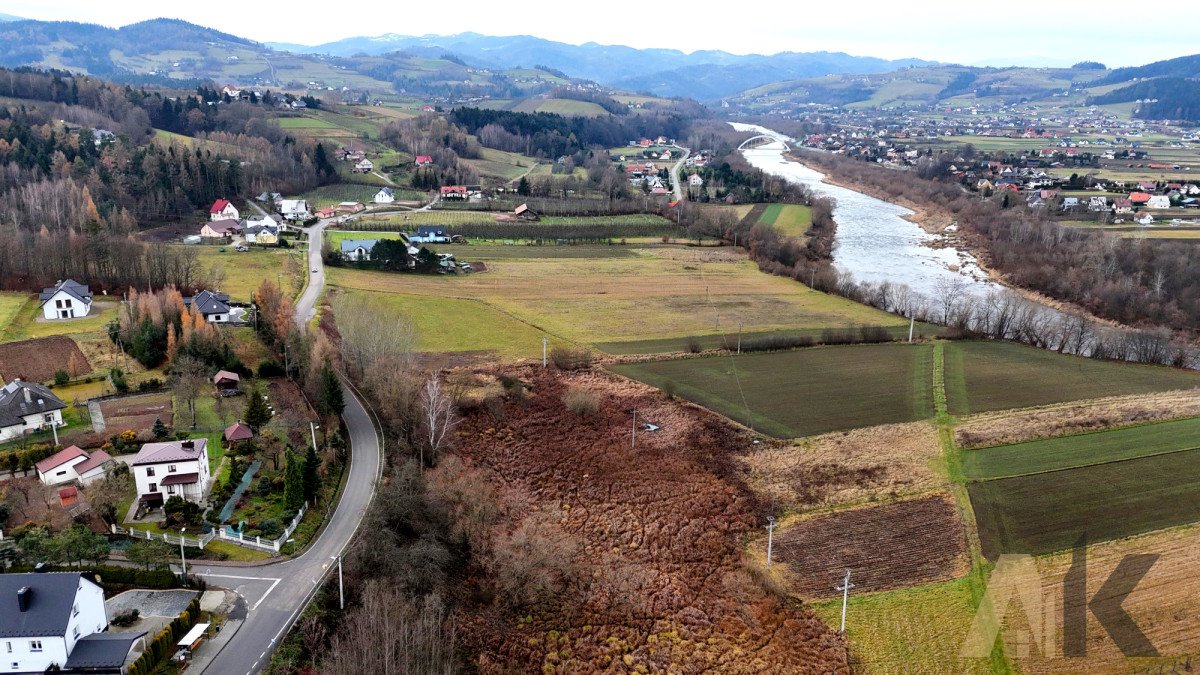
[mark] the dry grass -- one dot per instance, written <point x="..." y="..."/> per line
<point x="1163" y="605"/>
<point x="1004" y="428"/>
<point x="847" y="467"/>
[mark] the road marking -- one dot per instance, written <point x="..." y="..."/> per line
<point x="230" y="576"/>
<point x="264" y="596"/>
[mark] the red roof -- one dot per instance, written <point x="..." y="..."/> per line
<point x="95" y="459"/>
<point x="1139" y="197"/>
<point x="226" y="376"/>
<point x="238" y="432"/>
<point x="219" y="206"/>
<point x="59" y="458"/>
<point x="454" y="189"/>
<point x="424" y="159"/>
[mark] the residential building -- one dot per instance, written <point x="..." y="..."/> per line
<point x="213" y="306"/>
<point x="454" y="192"/>
<point x="358" y="250"/>
<point x="26" y="407"/>
<point x="221" y="229"/>
<point x="173" y="468"/>
<point x="424" y="160"/>
<point x="66" y="300"/>
<point x="696" y="181"/>
<point x="429" y="234"/>
<point x="73" y="464"/>
<point x="364" y="165"/>
<point x="385" y="196"/>
<point x="222" y="209"/>
<point x="348" y="208"/>
<point x="1159" y="202"/>
<point x="55" y="621"/>
<point x="294" y="209"/>
<point x="263" y="235"/>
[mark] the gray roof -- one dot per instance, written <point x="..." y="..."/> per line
<point x="171" y="451"/>
<point x="209" y="302"/>
<point x="50" y="603"/>
<point x="13" y="405"/>
<point x="71" y="287"/>
<point x="387" y="191"/>
<point x="349" y="245"/>
<point x="255" y="229"/>
<point x="102" y="650"/>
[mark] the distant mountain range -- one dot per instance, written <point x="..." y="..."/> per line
<point x="703" y="75"/>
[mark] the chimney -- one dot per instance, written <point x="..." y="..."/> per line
<point x="23" y="597"/>
<point x="39" y="568"/>
<point x="188" y="445"/>
<point x="28" y="395"/>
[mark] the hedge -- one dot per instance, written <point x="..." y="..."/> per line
<point x="163" y="644"/>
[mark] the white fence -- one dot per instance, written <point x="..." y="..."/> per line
<point x="221" y="533"/>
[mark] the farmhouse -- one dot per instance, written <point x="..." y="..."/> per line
<point x="66" y="300"/>
<point x="364" y="165"/>
<point x="222" y="209"/>
<point x="294" y="209"/>
<point x="385" y="196"/>
<point x="26" y="407"/>
<point x="174" y="468"/>
<point x="72" y="464"/>
<point x="454" y="192"/>
<point x="213" y="306"/>
<point x="358" y="250"/>
<point x="221" y="229"/>
<point x="696" y="181"/>
<point x="523" y="212"/>
<point x="56" y="621"/>
<point x="424" y="160"/>
<point x="227" y="383"/>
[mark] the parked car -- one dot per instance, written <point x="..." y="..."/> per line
<point x="242" y="249"/>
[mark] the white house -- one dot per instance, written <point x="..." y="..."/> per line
<point x="1159" y="202"/>
<point x="385" y="196"/>
<point x="26" y="407"/>
<point x="294" y="209"/>
<point x="66" y="300"/>
<point x="696" y="180"/>
<point x="222" y="209"/>
<point x="358" y="249"/>
<point x="56" y="621"/>
<point x="213" y="306"/>
<point x="173" y="468"/>
<point x="364" y="165"/>
<point x="71" y="464"/>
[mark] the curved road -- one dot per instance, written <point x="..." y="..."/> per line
<point x="675" y="173"/>
<point x="276" y="592"/>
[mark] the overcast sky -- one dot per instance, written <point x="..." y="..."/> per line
<point x="1115" y="33"/>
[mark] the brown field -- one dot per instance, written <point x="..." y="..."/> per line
<point x="907" y="543"/>
<point x="839" y="468"/>
<point x="37" y="360"/>
<point x="657" y="581"/>
<point x="1165" y="605"/>
<point x="1007" y="427"/>
<point x="137" y="412"/>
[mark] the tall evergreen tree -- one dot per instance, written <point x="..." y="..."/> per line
<point x="293" y="483"/>
<point x="312" y="479"/>
<point x="330" y="399"/>
<point x="257" y="413"/>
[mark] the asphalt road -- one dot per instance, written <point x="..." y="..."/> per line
<point x="675" y="185"/>
<point x="276" y="593"/>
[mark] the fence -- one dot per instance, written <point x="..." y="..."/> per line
<point x="196" y="542"/>
<point x="226" y="534"/>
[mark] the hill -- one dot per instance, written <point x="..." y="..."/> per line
<point x="705" y="75"/>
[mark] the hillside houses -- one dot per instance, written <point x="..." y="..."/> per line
<point x="222" y="209"/>
<point x="224" y="229"/>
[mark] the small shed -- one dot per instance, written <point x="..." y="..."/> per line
<point x="523" y="212"/>
<point x="188" y="643"/>
<point x="238" y="432"/>
<point x="227" y="383"/>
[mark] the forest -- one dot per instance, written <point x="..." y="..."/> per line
<point x="552" y="135"/>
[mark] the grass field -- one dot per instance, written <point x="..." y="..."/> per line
<point x="792" y="220"/>
<point x="458" y="325"/>
<point x="504" y="166"/>
<point x="244" y="272"/>
<point x="913" y="630"/>
<point x="561" y="106"/>
<point x="657" y="293"/>
<point x="730" y="340"/>
<point x="804" y="392"/>
<point x="10" y="306"/>
<point x="305" y="123"/>
<point x="984" y="376"/>
<point x="1067" y="452"/>
<point x="331" y="195"/>
<point x="1047" y="512"/>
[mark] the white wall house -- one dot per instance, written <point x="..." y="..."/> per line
<point x="66" y="300"/>
<point x="26" y="407"/>
<point x="358" y="249"/>
<point x="164" y="470"/>
<point x="73" y="464"/>
<point x="294" y="209"/>
<point x="222" y="209"/>
<point x="56" y="619"/>
<point x="385" y="196"/>
<point x="213" y="306"/>
<point x="1159" y="202"/>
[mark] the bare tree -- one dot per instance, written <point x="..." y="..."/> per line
<point x="438" y="417"/>
<point x="191" y="375"/>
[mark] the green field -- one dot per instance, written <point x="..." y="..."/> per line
<point x="331" y="195"/>
<point x="305" y="123"/>
<point x="561" y="106"/>
<point x="993" y="375"/>
<point x="1047" y="512"/>
<point x="913" y="630"/>
<point x="244" y="272"/>
<point x="807" y="391"/>
<point x="730" y="340"/>
<point x="792" y="220"/>
<point x="1067" y="452"/>
<point x="456" y="325"/>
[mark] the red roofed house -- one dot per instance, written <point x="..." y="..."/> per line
<point x="1122" y="205"/>
<point x="222" y="210"/>
<point x="1139" y="197"/>
<point x="326" y="213"/>
<point x="174" y="468"/>
<point x="238" y="432"/>
<point x="73" y="464"/>
<point x="454" y="191"/>
<point x="423" y="160"/>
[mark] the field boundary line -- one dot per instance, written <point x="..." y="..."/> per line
<point x="1090" y="432"/>
<point x="1085" y="466"/>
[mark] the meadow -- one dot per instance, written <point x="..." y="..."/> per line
<point x="807" y="391"/>
<point x="792" y="220"/>
<point x="244" y="272"/>
<point x="653" y="293"/>
<point x="1067" y="452"/>
<point x="993" y="375"/>
<point x="1048" y="512"/>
